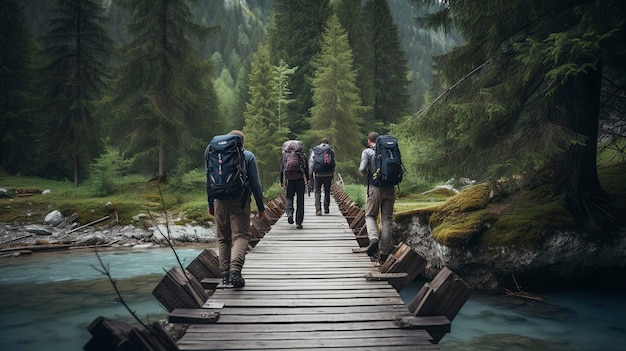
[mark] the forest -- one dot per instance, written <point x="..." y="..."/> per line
<point x="519" y="94"/>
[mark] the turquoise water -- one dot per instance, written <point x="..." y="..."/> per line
<point x="567" y="320"/>
<point x="48" y="300"/>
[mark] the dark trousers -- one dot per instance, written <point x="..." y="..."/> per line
<point x="319" y="182"/>
<point x="295" y="188"/>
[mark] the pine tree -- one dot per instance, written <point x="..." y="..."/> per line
<point x="337" y="109"/>
<point x="16" y="77"/>
<point x="263" y="130"/>
<point x="524" y="95"/>
<point x="294" y="37"/>
<point x="73" y="80"/>
<point x="386" y="65"/>
<point x="165" y="100"/>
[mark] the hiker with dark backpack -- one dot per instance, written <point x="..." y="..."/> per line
<point x="382" y="164"/>
<point x="294" y="175"/>
<point x="231" y="178"/>
<point x="323" y="164"/>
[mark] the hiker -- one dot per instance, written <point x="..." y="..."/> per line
<point x="380" y="199"/>
<point x="322" y="160"/>
<point x="232" y="212"/>
<point x="294" y="175"/>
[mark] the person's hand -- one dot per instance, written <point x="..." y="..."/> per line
<point x="282" y="185"/>
<point x="211" y="211"/>
<point x="261" y="214"/>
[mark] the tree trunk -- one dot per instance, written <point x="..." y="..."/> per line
<point x="162" y="177"/>
<point x="577" y="109"/>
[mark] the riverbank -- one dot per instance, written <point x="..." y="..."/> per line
<point x="16" y="240"/>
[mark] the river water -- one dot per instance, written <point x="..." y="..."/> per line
<point x="47" y="301"/>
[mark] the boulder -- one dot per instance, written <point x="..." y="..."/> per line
<point x="54" y="218"/>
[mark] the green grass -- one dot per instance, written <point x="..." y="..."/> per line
<point x="130" y="196"/>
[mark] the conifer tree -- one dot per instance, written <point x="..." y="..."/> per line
<point x="351" y="17"/>
<point x="166" y="103"/>
<point x="264" y="134"/>
<point x="16" y="77"/>
<point x="524" y="95"/>
<point x="337" y="109"/>
<point x="294" y="37"/>
<point x="386" y="66"/>
<point x="73" y="79"/>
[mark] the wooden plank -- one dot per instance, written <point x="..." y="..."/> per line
<point x="307" y="290"/>
<point x="193" y="315"/>
<point x="311" y="302"/>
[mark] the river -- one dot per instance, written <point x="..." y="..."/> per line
<point x="47" y="301"/>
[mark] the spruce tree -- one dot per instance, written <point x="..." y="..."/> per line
<point x="73" y="79"/>
<point x="294" y="37"/>
<point x="166" y="104"/>
<point x="16" y="78"/>
<point x="386" y="66"/>
<point x="336" y="112"/>
<point x="524" y="94"/>
<point x="263" y="130"/>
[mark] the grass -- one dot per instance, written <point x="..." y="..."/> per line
<point x="130" y="196"/>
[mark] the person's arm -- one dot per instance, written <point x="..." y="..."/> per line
<point x="306" y="172"/>
<point x="364" y="165"/>
<point x="255" y="182"/>
<point x="282" y="172"/>
<point x="206" y="172"/>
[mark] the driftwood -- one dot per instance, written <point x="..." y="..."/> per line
<point x="38" y="248"/>
<point x="16" y="239"/>
<point x="521" y="293"/>
<point x="88" y="224"/>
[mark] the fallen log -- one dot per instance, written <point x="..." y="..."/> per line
<point x="38" y="248"/>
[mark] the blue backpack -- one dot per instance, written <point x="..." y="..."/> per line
<point x="388" y="167"/>
<point x="226" y="173"/>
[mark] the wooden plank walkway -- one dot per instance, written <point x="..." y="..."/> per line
<point x="305" y="290"/>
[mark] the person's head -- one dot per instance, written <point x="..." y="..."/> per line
<point x="325" y="141"/>
<point x="371" y="138"/>
<point x="239" y="133"/>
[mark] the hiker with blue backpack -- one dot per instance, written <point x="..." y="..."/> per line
<point x="322" y="162"/>
<point x="382" y="164"/>
<point x="231" y="178"/>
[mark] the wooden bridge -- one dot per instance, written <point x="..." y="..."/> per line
<point x="305" y="290"/>
<point x="310" y="289"/>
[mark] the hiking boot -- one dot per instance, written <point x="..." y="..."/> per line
<point x="318" y="213"/>
<point x="382" y="258"/>
<point x="290" y="219"/>
<point x="237" y="280"/>
<point x="299" y="226"/>
<point x="372" y="249"/>
<point x="226" y="279"/>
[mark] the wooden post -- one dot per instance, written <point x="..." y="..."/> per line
<point x="403" y="259"/>
<point x="206" y="265"/>
<point x="179" y="289"/>
<point x="444" y="296"/>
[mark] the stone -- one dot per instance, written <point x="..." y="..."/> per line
<point x="54" y="218"/>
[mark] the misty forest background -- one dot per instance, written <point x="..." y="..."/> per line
<point x="521" y="94"/>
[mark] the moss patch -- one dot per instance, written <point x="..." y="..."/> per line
<point x="471" y="219"/>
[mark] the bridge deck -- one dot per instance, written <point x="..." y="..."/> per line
<point x="305" y="290"/>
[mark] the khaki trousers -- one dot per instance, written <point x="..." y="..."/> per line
<point x="233" y="233"/>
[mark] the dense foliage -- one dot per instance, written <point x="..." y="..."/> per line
<point x="524" y="96"/>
